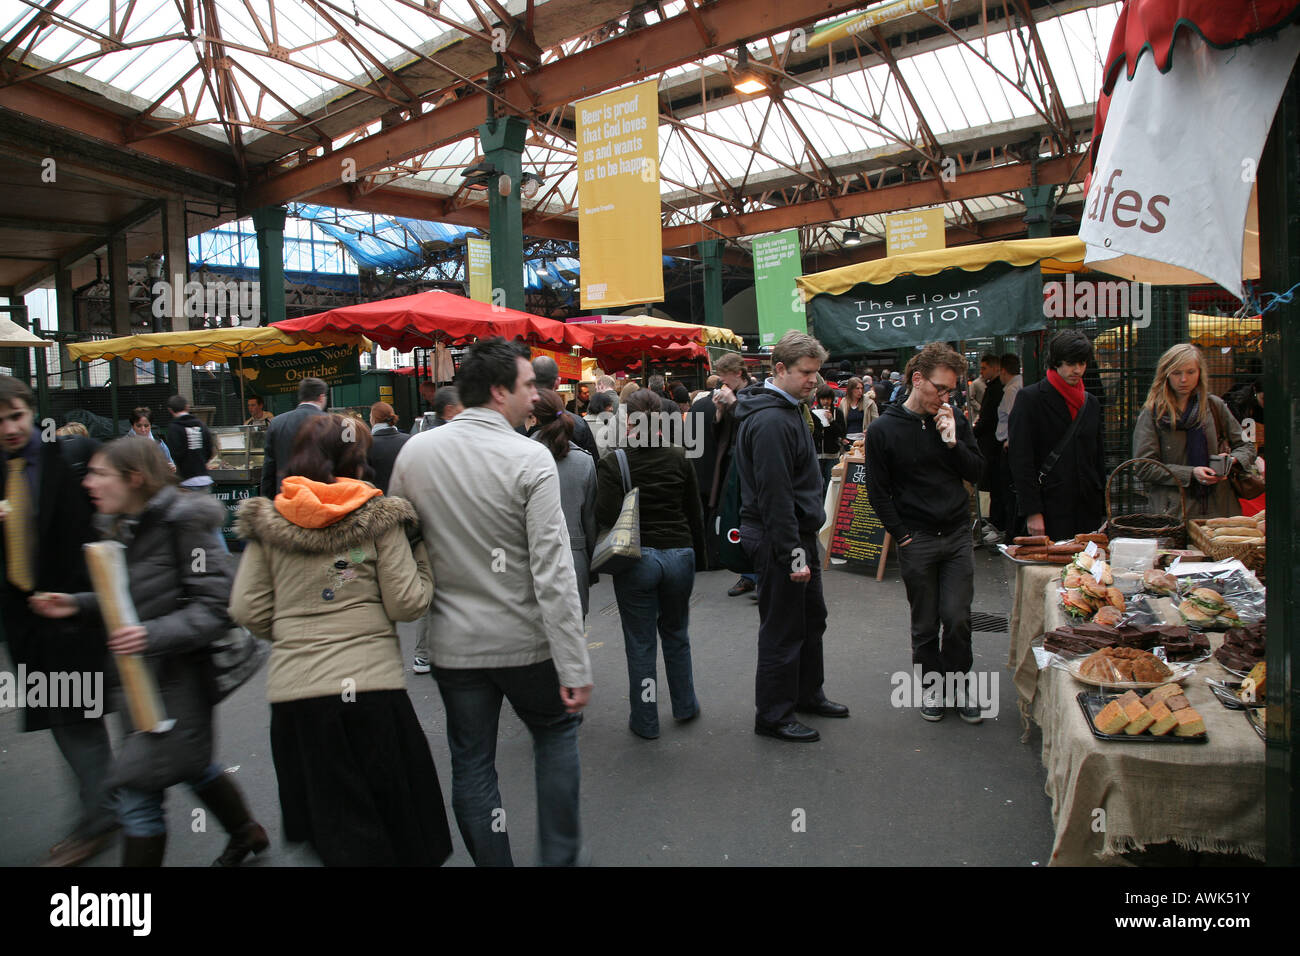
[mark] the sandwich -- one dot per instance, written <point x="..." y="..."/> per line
<point x="1195" y="615"/>
<point x="1076" y="605"/>
<point x="1159" y="582"/>
<point x="1108" y="615"/>
<point x="1093" y="590"/>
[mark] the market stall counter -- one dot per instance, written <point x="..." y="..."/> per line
<point x="236" y="469"/>
<point x="1110" y="797"/>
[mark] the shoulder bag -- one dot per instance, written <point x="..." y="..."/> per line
<point x="1054" y="455"/>
<point x="1245" y="484"/>
<point x="620" y="548"/>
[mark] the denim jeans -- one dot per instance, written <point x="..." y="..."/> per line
<point x="472" y="698"/>
<point x="86" y="748"/>
<point x="656" y="591"/>
<point x="141" y="811"/>
<point x="939" y="574"/>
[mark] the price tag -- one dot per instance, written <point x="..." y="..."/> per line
<point x="1091" y="549"/>
<point x="1098" y="569"/>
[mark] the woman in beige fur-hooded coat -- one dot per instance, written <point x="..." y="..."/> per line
<point x="330" y="565"/>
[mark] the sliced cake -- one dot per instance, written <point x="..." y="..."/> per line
<point x="1111" y="719"/>
<point x="1190" y="723"/>
<point x="1164" y="719"/>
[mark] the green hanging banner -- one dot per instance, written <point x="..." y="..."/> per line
<point x="776" y="266"/>
<point x="951" y="305"/>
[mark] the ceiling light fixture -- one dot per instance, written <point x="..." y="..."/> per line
<point x="480" y="175"/>
<point x="851" y="235"/>
<point x="747" y="79"/>
<point x="529" y="183"/>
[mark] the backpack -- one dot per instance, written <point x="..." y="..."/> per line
<point x="727" y="522"/>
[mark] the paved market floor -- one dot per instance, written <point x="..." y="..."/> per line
<point x="883" y="787"/>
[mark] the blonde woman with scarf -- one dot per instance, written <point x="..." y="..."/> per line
<point x="1182" y="425"/>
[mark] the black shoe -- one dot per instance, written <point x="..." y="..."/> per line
<point x="824" y="708"/>
<point x="643" y="736"/>
<point x="687" y="719"/>
<point x="742" y="586"/>
<point x="790" y="730"/>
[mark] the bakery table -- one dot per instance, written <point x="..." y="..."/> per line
<point x="1207" y="797"/>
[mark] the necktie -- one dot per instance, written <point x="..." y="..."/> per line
<point x="18" y="538"/>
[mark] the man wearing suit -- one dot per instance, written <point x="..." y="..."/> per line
<point x="46" y="519"/>
<point x="283" y="430"/>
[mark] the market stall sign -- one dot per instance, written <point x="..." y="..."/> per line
<point x="570" y="366"/>
<point x="619" y="229"/>
<point x="857" y="534"/>
<point x="776" y="267"/>
<point x="478" y="255"/>
<point x="951" y="305"/>
<point x="281" y="374"/>
<point x="1169" y="200"/>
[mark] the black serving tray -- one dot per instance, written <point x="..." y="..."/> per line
<point x="1257" y="725"/>
<point x="1228" y="697"/>
<point x="1092" y="704"/>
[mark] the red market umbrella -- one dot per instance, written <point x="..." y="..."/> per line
<point x="617" y="345"/>
<point x="418" y="321"/>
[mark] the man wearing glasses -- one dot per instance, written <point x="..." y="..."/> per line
<point x="918" y="455"/>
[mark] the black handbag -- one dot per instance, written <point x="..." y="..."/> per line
<point x="620" y="548"/>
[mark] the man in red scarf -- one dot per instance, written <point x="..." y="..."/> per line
<point x="1060" y="489"/>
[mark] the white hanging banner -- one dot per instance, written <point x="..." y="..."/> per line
<point x="1171" y="189"/>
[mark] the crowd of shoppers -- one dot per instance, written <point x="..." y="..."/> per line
<point x="490" y="511"/>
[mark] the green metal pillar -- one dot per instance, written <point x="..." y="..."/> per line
<point x="711" y="256"/>
<point x="1038" y="219"/>
<point x="269" y="223"/>
<point x="502" y="139"/>
<point x="1279" y="246"/>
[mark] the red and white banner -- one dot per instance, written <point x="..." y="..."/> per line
<point x="1170" y="191"/>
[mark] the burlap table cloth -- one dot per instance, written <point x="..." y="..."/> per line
<point x="1027" y="608"/>
<point x="1204" y="797"/>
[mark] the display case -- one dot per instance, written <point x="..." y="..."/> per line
<point x="240" y="450"/>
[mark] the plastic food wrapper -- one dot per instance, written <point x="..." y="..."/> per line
<point x="1239" y="587"/>
<point x="1151" y="610"/>
<point x="1132" y="554"/>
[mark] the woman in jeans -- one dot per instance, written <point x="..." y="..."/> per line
<point x="330" y="565"/>
<point x="179" y="575"/>
<point x="656" y="591"/>
<point x="577" y="483"/>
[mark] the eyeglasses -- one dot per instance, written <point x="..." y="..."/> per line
<point x="942" y="392"/>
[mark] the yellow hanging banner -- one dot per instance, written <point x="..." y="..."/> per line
<point x="619" y="228"/>
<point x="478" y="265"/>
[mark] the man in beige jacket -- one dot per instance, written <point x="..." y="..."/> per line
<point x="505" y="619"/>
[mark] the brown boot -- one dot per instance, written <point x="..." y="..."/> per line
<point x="143" y="851"/>
<point x="227" y="804"/>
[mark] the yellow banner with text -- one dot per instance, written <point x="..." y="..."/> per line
<point x="619" y="228"/>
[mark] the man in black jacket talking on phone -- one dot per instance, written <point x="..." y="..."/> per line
<point x="780" y="514"/>
<point x="918" y="455"/>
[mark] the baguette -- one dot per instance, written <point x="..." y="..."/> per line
<point x="1238" y="539"/>
<point x="1033" y="539"/>
<point x="1238" y="521"/>
<point x="1236" y="531"/>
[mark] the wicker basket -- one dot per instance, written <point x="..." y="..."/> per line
<point x="1163" y="527"/>
<point x="1249" y="554"/>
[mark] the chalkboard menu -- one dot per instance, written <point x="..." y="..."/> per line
<point x="857" y="535"/>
